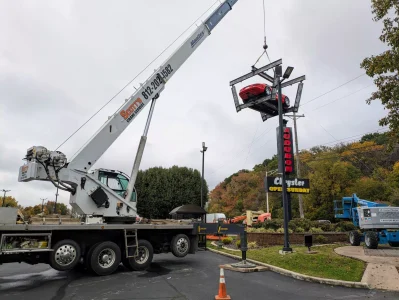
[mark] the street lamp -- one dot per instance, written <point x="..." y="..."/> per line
<point x="4" y="197"/>
<point x="286" y="75"/>
<point x="56" y="196"/>
<point x="203" y="159"/>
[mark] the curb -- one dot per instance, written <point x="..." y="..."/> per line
<point x="299" y="276"/>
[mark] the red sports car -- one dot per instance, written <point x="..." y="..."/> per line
<point x="258" y="90"/>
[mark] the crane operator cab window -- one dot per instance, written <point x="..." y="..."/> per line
<point x="117" y="182"/>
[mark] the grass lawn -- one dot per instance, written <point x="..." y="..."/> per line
<point x="325" y="263"/>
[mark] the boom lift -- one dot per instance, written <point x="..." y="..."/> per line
<point x="106" y="198"/>
<point x="377" y="221"/>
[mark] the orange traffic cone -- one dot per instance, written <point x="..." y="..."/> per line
<point x="222" y="288"/>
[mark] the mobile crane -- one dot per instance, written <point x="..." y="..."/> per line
<point x="109" y="233"/>
<point x="378" y="222"/>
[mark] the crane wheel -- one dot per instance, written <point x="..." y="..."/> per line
<point x="180" y="245"/>
<point x="143" y="259"/>
<point x="394" y="244"/>
<point x="354" y="238"/>
<point x="371" y="240"/>
<point x="65" y="255"/>
<point x="105" y="258"/>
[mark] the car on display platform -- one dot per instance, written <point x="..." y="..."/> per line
<point x="258" y="90"/>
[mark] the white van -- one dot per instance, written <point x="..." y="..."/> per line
<point x="213" y="218"/>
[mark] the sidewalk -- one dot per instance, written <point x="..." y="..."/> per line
<point x="381" y="271"/>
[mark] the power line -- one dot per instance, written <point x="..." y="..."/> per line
<point x="341" y="97"/>
<point x="333" y="89"/>
<point x="120" y="91"/>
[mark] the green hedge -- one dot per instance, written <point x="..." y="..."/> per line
<point x="303" y="225"/>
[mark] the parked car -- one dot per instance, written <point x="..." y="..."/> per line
<point x="258" y="90"/>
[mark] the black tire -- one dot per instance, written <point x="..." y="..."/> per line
<point x="394" y="244"/>
<point x="354" y="238"/>
<point x="86" y="260"/>
<point x="66" y="255"/>
<point x="105" y="258"/>
<point x="371" y="240"/>
<point x="180" y="245"/>
<point x="143" y="260"/>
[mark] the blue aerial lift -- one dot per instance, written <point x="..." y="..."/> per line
<point x="378" y="222"/>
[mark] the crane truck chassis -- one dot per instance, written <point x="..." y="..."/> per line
<point x="108" y="233"/>
<point x="101" y="247"/>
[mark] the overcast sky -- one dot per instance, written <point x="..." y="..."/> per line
<point x="60" y="61"/>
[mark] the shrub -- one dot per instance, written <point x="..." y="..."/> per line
<point x="321" y="239"/>
<point x="281" y="230"/>
<point x="238" y="243"/>
<point x="316" y="230"/>
<point x="227" y="240"/>
<point x="303" y="223"/>
<point x="273" y="224"/>
<point x="299" y="230"/>
<point x="252" y="245"/>
<point x="344" y="226"/>
<point x="261" y="230"/>
<point x="251" y="229"/>
<point x="327" y="227"/>
<point x="270" y="230"/>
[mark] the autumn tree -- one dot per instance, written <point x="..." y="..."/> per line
<point x="385" y="66"/>
<point x="9" y="202"/>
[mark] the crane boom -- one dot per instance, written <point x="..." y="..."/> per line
<point x="152" y="87"/>
<point x="91" y="193"/>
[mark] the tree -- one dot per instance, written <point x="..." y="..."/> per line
<point x="10" y="202"/>
<point x="385" y="66"/>
<point x="160" y="190"/>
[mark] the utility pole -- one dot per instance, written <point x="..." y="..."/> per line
<point x="298" y="170"/>
<point x="203" y="161"/>
<point x="4" y="197"/>
<point x="43" y="203"/>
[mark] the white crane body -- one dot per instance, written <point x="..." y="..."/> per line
<point x="91" y="195"/>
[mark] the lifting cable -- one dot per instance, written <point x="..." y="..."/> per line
<point x="121" y="90"/>
<point x="264" y="37"/>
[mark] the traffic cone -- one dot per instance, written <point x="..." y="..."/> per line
<point x="222" y="288"/>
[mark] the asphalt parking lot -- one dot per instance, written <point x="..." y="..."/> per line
<point x="195" y="277"/>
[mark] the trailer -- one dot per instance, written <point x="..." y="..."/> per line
<point x="109" y="232"/>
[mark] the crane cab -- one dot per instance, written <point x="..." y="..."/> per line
<point x="115" y="180"/>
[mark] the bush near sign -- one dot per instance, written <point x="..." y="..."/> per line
<point x="294" y="185"/>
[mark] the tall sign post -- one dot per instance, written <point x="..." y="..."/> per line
<point x="265" y="103"/>
<point x="285" y="165"/>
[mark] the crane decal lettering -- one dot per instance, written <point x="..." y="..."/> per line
<point x="132" y="110"/>
<point x="197" y="38"/>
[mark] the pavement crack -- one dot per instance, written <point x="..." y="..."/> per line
<point x="180" y="295"/>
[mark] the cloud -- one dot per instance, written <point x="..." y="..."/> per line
<point x="60" y="61"/>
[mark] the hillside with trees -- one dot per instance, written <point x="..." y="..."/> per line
<point x="365" y="167"/>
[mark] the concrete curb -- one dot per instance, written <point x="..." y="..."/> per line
<point x="299" y="276"/>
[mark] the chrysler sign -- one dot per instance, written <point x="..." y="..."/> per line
<point x="294" y="185"/>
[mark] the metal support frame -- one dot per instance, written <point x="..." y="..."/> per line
<point x="277" y="85"/>
<point x="273" y="82"/>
